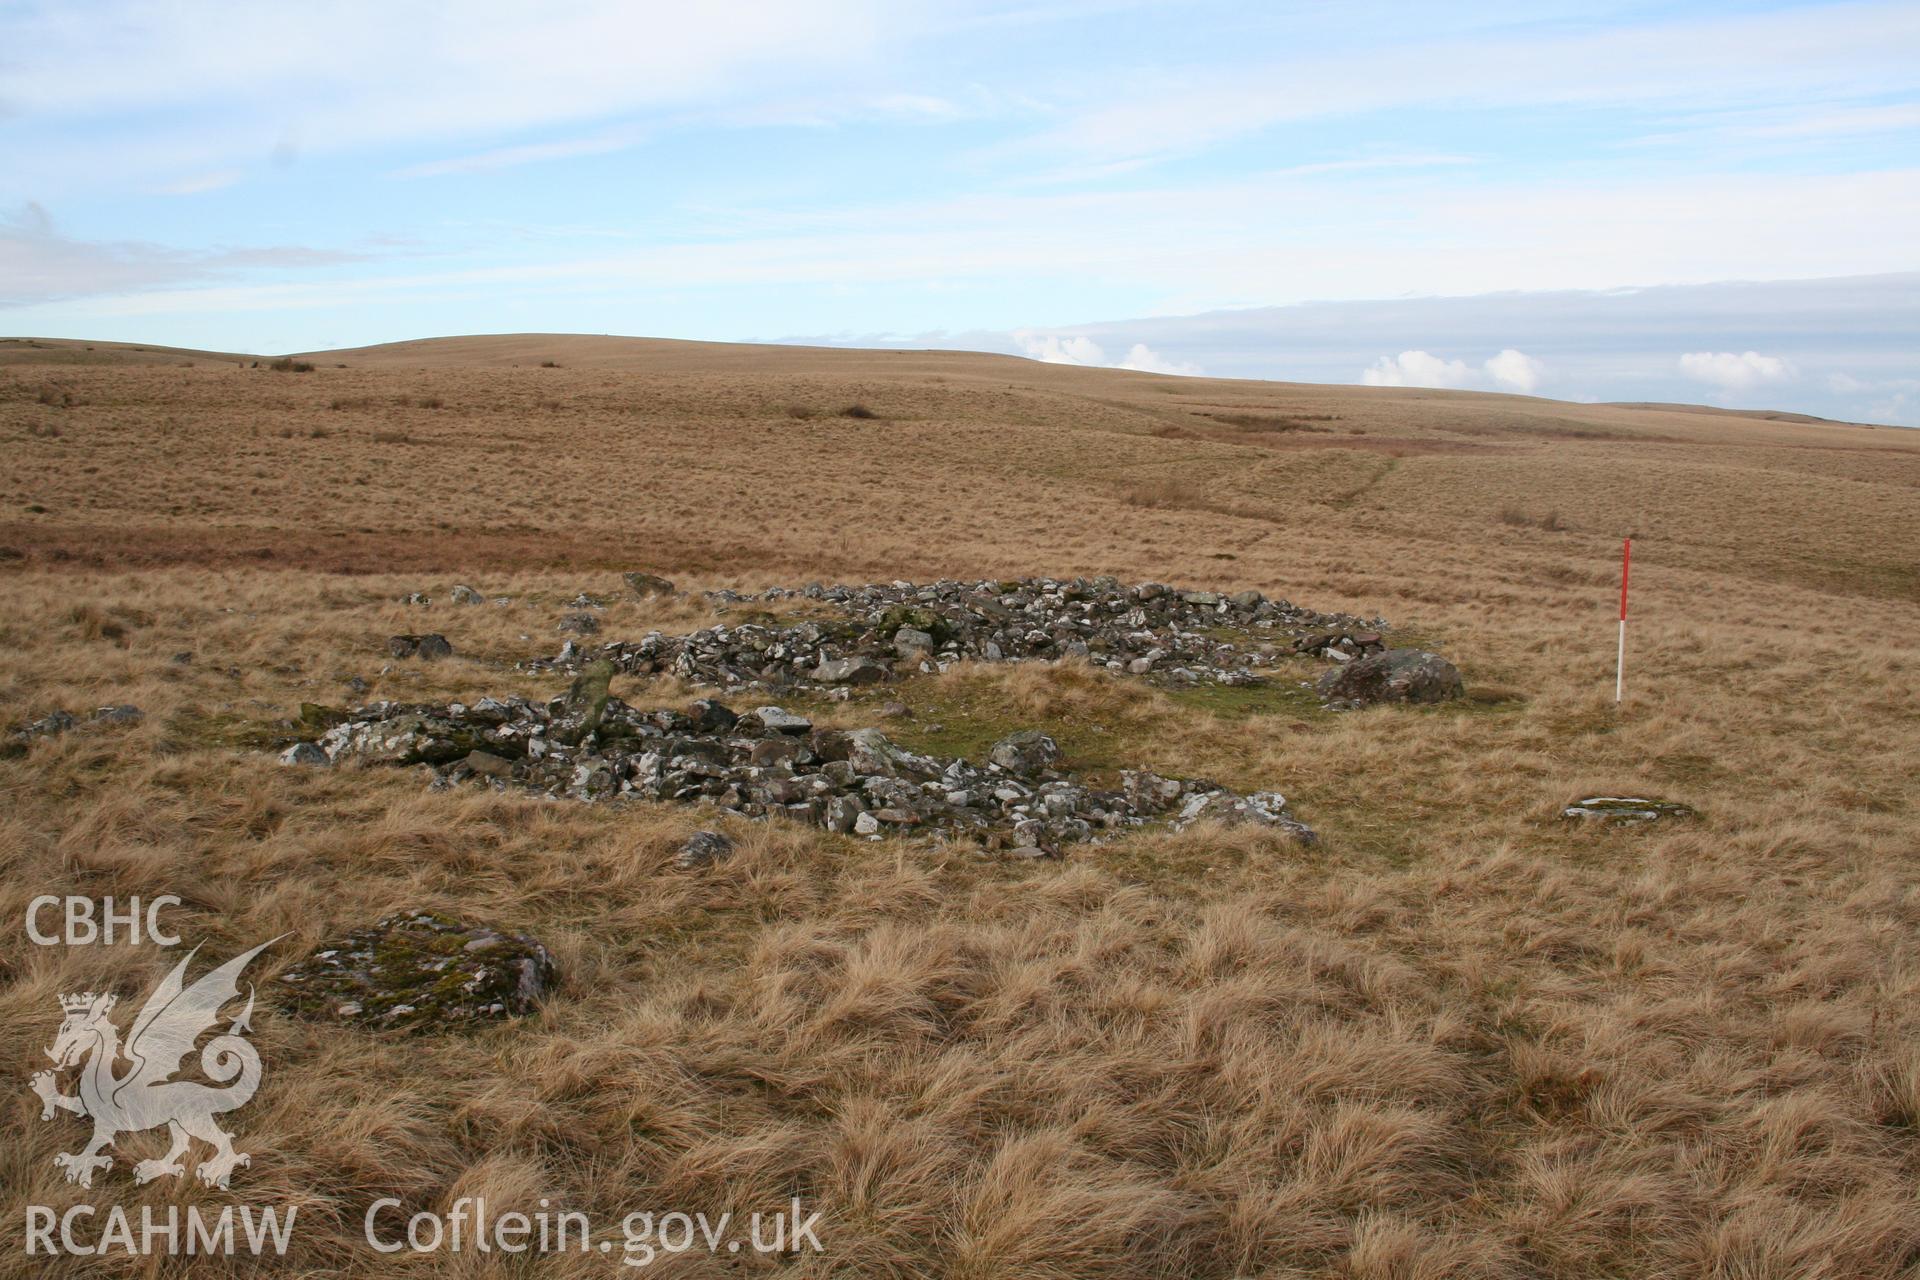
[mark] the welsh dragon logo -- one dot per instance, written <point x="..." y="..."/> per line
<point x="145" y="1095"/>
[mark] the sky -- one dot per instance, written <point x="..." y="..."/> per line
<point x="1703" y="202"/>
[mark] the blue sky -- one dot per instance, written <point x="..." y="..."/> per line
<point x="1531" y="197"/>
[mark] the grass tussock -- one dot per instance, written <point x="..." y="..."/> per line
<point x="1164" y="492"/>
<point x="1520" y="518"/>
<point x="1277" y="423"/>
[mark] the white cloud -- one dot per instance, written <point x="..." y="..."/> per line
<point x="1900" y="409"/>
<point x="1143" y="358"/>
<point x="1052" y="348"/>
<point x="1515" y="371"/>
<point x="1509" y="371"/>
<point x="1417" y="369"/>
<point x="1735" y="372"/>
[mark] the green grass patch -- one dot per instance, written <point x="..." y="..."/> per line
<point x="1282" y="695"/>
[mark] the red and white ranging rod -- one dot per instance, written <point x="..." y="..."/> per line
<point x="1620" y="663"/>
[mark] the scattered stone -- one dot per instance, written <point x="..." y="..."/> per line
<point x="1624" y="809"/>
<point x="1341" y="646"/>
<point x="647" y="584"/>
<point x="124" y="713"/>
<point x="1026" y="753"/>
<point x="305" y="753"/>
<point x="466" y="595"/>
<point x="51" y="725"/>
<point x="583" y="624"/>
<point x="1396" y="675"/>
<point x="702" y="849"/>
<point x="419" y="971"/>
<point x="416" y="598"/>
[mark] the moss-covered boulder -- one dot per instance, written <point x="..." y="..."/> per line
<point x="913" y="618"/>
<point x="1397" y="675"/>
<point x="419" y="971"/>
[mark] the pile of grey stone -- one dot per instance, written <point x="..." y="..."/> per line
<point x="419" y="970"/>
<point x="772" y="762"/>
<point x="867" y="634"/>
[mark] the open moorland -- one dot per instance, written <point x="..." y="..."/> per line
<point x="1457" y="1036"/>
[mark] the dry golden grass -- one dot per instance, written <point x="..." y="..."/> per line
<point x="1457" y="1039"/>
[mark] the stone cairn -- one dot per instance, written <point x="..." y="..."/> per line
<point x="873" y="632"/>
<point x="769" y="762"/>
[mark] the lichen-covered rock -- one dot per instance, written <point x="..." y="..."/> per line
<point x="703" y="849"/>
<point x="580" y="623"/>
<point x="465" y="595"/>
<point x="585" y="703"/>
<point x="304" y="753"/>
<point x="119" y="713"/>
<point x="405" y="739"/>
<point x="872" y="753"/>
<point x="780" y="720"/>
<point x="1025" y="753"/>
<point x="1624" y="809"/>
<point x="1258" y="809"/>
<point x="419" y="971"/>
<point x="1397" y="675"/>
<point x="911" y="642"/>
<point x="425" y="647"/>
<point x="849" y="671"/>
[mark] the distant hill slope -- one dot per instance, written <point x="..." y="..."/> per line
<point x="1240" y="411"/>
<point x="81" y="351"/>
